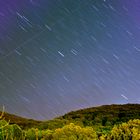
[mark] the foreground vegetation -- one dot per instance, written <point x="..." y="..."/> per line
<point x="124" y="131"/>
<point x="121" y="124"/>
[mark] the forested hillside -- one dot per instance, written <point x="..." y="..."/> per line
<point x="108" y="122"/>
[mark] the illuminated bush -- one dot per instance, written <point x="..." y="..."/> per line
<point x="126" y="131"/>
<point x="74" y="132"/>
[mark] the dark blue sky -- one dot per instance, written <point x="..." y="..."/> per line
<point x="62" y="55"/>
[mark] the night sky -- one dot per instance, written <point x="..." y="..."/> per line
<point x="62" y="55"/>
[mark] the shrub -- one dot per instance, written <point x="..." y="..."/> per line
<point x="31" y="134"/>
<point x="126" y="131"/>
<point x="74" y="132"/>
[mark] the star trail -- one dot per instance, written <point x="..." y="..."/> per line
<point x="62" y="55"/>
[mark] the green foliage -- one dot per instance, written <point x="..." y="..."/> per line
<point x="126" y="131"/>
<point x="53" y="124"/>
<point x="103" y="123"/>
<point x="104" y="120"/>
<point x="13" y="131"/>
<point x="47" y="134"/>
<point x="74" y="132"/>
<point x="10" y="131"/>
<point x="31" y="134"/>
<point x="106" y="115"/>
<point x="2" y="123"/>
<point x="114" y="114"/>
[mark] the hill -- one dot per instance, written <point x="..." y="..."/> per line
<point x="106" y="115"/>
<point x="22" y="122"/>
<point x="108" y="122"/>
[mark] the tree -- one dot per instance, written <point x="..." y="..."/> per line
<point x="104" y="120"/>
